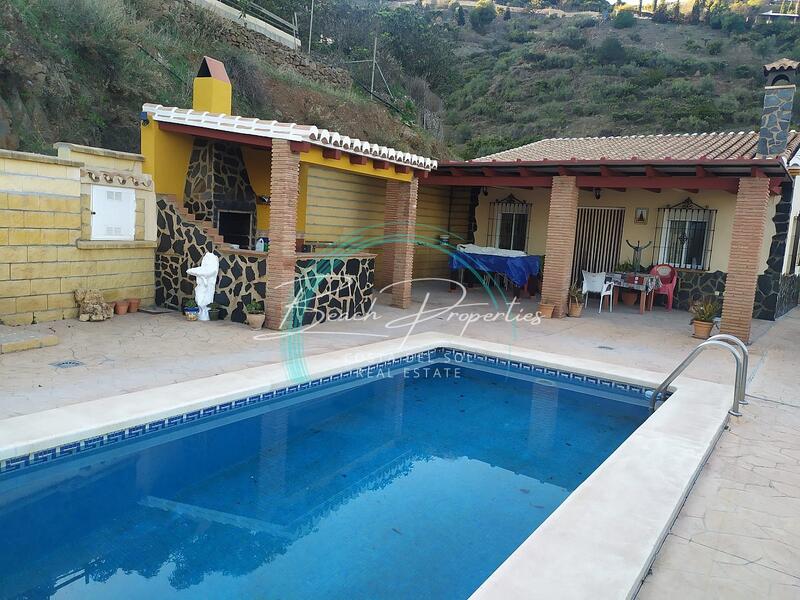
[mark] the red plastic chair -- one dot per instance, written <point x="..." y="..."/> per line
<point x="669" y="279"/>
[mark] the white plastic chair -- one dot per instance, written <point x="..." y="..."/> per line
<point x="596" y="283"/>
<point x="592" y="282"/>
<point x="608" y="290"/>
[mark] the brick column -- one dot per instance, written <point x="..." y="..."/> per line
<point x="281" y="258"/>
<point x="744" y="264"/>
<point x="400" y="220"/>
<point x="560" y="243"/>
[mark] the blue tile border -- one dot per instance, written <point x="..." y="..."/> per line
<point x="40" y="457"/>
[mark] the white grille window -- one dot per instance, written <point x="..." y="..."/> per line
<point x="113" y="213"/>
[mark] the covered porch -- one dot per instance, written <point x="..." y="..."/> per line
<point x="710" y="218"/>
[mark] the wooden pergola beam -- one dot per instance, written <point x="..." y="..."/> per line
<point x="729" y="184"/>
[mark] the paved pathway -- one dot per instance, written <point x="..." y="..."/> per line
<point x="738" y="535"/>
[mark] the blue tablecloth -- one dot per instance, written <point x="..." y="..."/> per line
<point x="517" y="268"/>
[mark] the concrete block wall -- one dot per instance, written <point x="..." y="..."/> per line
<point x="45" y="248"/>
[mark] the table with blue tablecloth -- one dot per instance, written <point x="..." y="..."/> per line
<point x="518" y="269"/>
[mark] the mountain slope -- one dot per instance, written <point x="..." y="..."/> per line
<point x="534" y="77"/>
<point x="79" y="71"/>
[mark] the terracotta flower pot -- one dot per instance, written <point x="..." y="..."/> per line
<point x="546" y="310"/>
<point x="575" y="309"/>
<point x="121" y="307"/>
<point x="133" y="304"/>
<point x="256" y="321"/>
<point x="629" y="297"/>
<point x="702" y="329"/>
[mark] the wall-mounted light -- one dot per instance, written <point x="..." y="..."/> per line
<point x="143" y="118"/>
<point x="597" y="193"/>
<point x="264" y="200"/>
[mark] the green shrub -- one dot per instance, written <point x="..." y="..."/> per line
<point x="611" y="51"/>
<point x="624" y="19"/>
<point x="714" y="47"/>
<point x="571" y="37"/>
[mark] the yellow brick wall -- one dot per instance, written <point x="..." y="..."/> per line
<point x="45" y="253"/>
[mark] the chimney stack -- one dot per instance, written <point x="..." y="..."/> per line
<point x="212" y="90"/>
<point x="778" y="99"/>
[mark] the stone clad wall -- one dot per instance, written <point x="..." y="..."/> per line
<point x="45" y="253"/>
<point x="182" y="245"/>
<point x="322" y="286"/>
<point x="217" y="179"/>
<point x="333" y="287"/>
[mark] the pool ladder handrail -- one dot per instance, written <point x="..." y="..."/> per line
<point x="740" y="354"/>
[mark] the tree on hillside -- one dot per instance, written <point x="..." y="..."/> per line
<point x="676" y="12"/>
<point x="420" y="45"/>
<point x="460" y="16"/>
<point x="482" y="14"/>
<point x="697" y="12"/>
<point x="660" y="14"/>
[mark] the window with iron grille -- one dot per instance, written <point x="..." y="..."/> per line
<point x="685" y="234"/>
<point x="509" y="220"/>
<point x="793" y="264"/>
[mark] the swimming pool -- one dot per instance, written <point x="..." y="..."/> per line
<point x="413" y="478"/>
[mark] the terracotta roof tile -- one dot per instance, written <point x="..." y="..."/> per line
<point x="687" y="146"/>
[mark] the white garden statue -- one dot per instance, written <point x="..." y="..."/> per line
<point x="206" y="285"/>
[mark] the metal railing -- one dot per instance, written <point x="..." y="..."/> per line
<point x="740" y="354"/>
<point x="248" y="7"/>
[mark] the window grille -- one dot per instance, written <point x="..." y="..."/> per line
<point x="685" y="234"/>
<point x="795" y="243"/>
<point x="509" y="220"/>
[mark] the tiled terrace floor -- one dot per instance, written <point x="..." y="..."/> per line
<point x="738" y="534"/>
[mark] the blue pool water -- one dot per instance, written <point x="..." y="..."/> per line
<point x="414" y="485"/>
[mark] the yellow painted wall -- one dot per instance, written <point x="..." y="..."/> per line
<point x="342" y="205"/>
<point x="435" y="216"/>
<point x="166" y="158"/>
<point x="258" y="163"/>
<point x="723" y="202"/>
<point x="43" y="258"/>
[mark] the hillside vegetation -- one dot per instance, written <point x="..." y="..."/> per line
<point x="80" y="70"/>
<point x="535" y="77"/>
<point x="463" y="81"/>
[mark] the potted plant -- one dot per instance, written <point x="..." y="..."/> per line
<point x="628" y="269"/>
<point x="255" y="314"/>
<point x="546" y="310"/>
<point x="213" y="311"/>
<point x="133" y="304"/>
<point x="575" y="301"/>
<point x="190" y="310"/>
<point x="704" y="313"/>
<point x="121" y="307"/>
